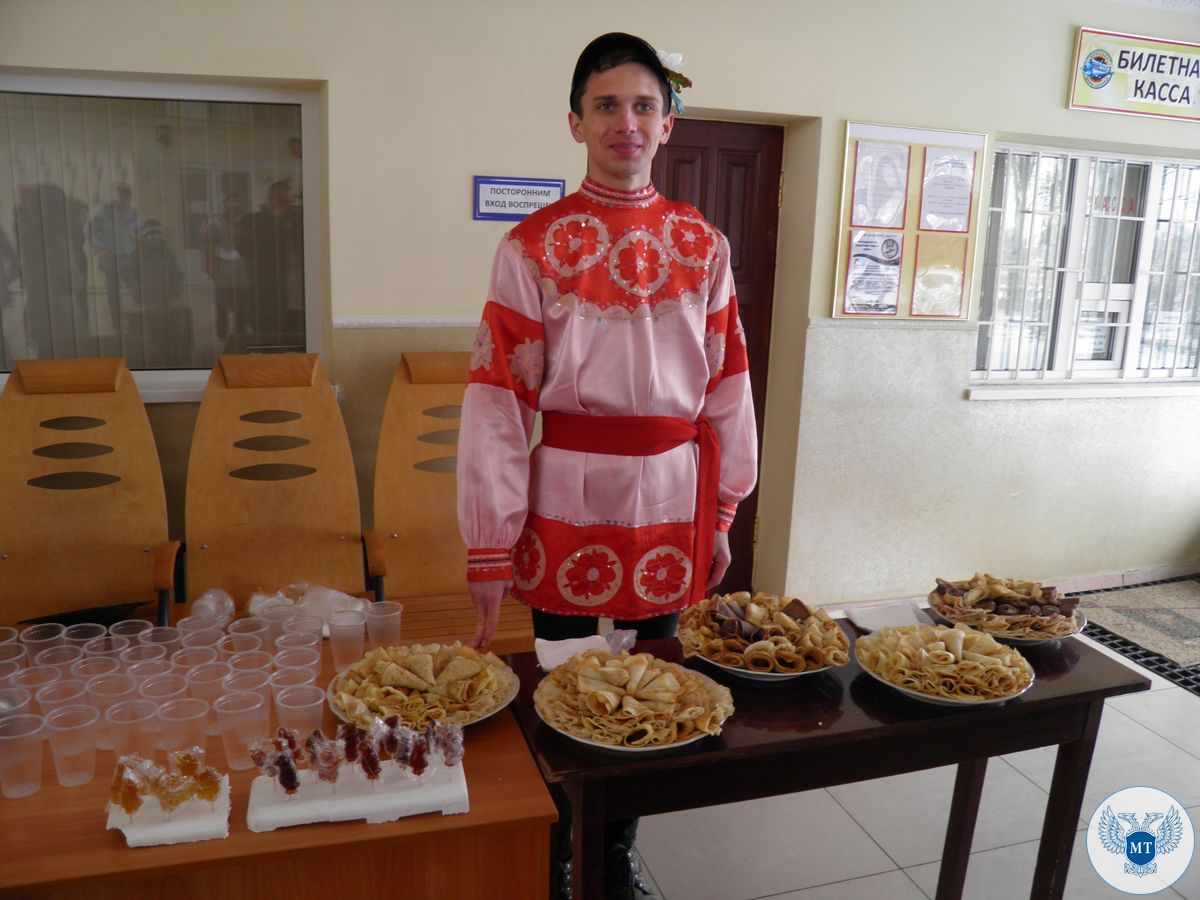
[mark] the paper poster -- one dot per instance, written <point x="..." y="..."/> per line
<point x="946" y="189"/>
<point x="873" y="278"/>
<point x="939" y="274"/>
<point x="880" y="185"/>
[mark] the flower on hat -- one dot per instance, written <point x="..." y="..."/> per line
<point x="675" y="79"/>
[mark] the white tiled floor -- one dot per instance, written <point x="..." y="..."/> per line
<point x="883" y="839"/>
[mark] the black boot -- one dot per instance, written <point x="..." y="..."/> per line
<point x="560" y="880"/>
<point x="623" y="875"/>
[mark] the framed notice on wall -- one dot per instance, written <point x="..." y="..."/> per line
<point x="909" y="219"/>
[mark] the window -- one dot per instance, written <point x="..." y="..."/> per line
<point x="166" y="227"/>
<point x="1091" y="270"/>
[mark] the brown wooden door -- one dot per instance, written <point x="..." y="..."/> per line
<point x="730" y="172"/>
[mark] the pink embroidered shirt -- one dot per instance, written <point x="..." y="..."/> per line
<point x="607" y="303"/>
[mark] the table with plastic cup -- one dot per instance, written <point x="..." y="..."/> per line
<point x="54" y="843"/>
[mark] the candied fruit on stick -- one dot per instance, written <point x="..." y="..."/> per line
<point x="264" y="754"/>
<point x="289" y="778"/>
<point x="208" y="784"/>
<point x="131" y="795"/>
<point x="291" y="739"/>
<point x="172" y="790"/>
<point x="348" y="734"/>
<point x="187" y="762"/>
<point x="418" y="758"/>
<point x="118" y="781"/>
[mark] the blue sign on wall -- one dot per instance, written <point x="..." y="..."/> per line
<point x="512" y="199"/>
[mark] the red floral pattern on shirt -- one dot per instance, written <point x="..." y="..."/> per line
<point x="529" y="561"/>
<point x="590" y="576"/>
<point x="639" y="263"/>
<point x="662" y="575"/>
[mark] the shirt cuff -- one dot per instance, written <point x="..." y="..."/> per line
<point x="489" y="564"/>
<point x="725" y="514"/>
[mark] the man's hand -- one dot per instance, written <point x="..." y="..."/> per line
<point x="487" y="596"/>
<point x="721" y="557"/>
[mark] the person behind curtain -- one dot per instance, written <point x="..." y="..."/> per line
<point x="270" y="240"/>
<point x="112" y="233"/>
<point x="612" y="312"/>
<point x="51" y="271"/>
<point x="224" y="265"/>
<point x="156" y="323"/>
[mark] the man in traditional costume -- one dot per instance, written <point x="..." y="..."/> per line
<point x="613" y="313"/>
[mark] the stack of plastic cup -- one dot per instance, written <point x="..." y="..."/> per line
<point x="73" y="731"/>
<point x="244" y="717"/>
<point x="346" y="636"/>
<point x="82" y="633"/>
<point x="275" y="617"/>
<point x="133" y="726"/>
<point x="64" y="692"/>
<point x="383" y="623"/>
<point x="21" y="739"/>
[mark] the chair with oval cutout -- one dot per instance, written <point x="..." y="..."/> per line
<point x="272" y="498"/>
<point x="83" y="514"/>
<point x="416" y="523"/>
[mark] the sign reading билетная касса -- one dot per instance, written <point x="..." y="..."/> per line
<point x="512" y="199"/>
<point x="1138" y="76"/>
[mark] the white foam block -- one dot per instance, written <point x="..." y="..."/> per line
<point x="192" y="820"/>
<point x="396" y="794"/>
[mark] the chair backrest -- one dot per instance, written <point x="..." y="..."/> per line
<point x="82" y="505"/>
<point x="271" y="492"/>
<point x="414" y="476"/>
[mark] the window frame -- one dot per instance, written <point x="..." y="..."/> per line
<point x="1063" y="375"/>
<point x="187" y="385"/>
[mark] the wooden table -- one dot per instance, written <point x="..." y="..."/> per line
<point x="53" y="844"/>
<point x="838" y="727"/>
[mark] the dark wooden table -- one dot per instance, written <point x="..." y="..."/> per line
<point x="837" y="727"/>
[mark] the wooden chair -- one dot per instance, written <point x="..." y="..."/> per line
<point x="272" y="497"/>
<point x="415" y="517"/>
<point x="83" y="514"/>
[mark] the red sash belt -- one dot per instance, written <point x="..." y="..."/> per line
<point x="649" y="436"/>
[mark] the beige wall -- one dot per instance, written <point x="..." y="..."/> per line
<point x="881" y="474"/>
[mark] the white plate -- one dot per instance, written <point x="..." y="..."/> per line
<point x="514" y="688"/>
<point x="943" y="701"/>
<point x="1014" y="640"/>
<point x="872" y="618"/>
<point x="621" y="748"/>
<point x="754" y="675"/>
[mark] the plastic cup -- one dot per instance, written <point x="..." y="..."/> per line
<point x="251" y="661"/>
<point x="8" y="634"/>
<point x="14" y="701"/>
<point x="244" y="718"/>
<point x="251" y="625"/>
<point x="164" y="688"/>
<point x="40" y="636"/>
<point x="231" y="644"/>
<point x="21" y="755"/>
<point x="149" y="668"/>
<point x="256" y="682"/>
<point x="346" y="635"/>
<point x="292" y="639"/>
<point x="276" y="617"/>
<point x="304" y="624"/>
<point x="64" y="692"/>
<point x="130" y="628"/>
<point x="197" y="623"/>
<point x="133" y="725"/>
<point x="202" y="637"/>
<point x="204" y="682"/>
<point x="91" y="666"/>
<point x="162" y="634"/>
<point x="287" y="678"/>
<point x="61" y="657"/>
<point x="34" y="678"/>
<point x="298" y="658"/>
<point x="300" y="708"/>
<point x="73" y="731"/>
<point x="83" y="632"/>
<point x="8" y="668"/>
<point x="182" y="724"/>
<point x="190" y="657"/>
<point x="383" y="623"/>
<point x="103" y="692"/>
<point x="107" y="646"/>
<point x="136" y="653"/>
<point x="14" y="651"/>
